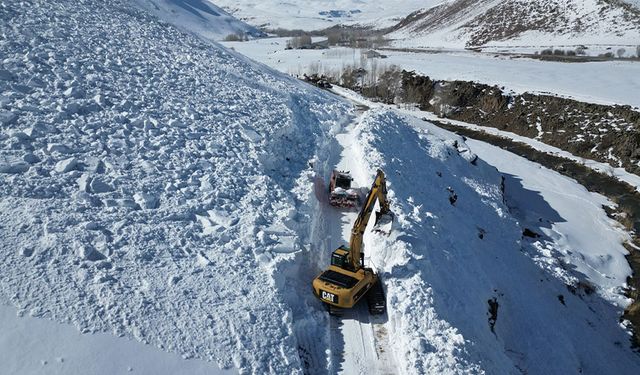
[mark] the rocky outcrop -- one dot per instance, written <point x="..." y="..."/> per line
<point x="606" y="133"/>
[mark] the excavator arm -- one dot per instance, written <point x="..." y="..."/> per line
<point x="378" y="192"/>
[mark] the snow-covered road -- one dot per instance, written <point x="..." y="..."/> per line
<point x="366" y="344"/>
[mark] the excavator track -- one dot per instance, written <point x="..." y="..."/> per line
<point x="376" y="299"/>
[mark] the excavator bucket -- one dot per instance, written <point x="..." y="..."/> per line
<point x="384" y="222"/>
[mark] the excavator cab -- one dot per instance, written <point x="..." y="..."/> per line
<point x="340" y="257"/>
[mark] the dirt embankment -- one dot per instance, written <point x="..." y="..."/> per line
<point x="609" y="134"/>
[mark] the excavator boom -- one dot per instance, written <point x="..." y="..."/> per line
<point x="377" y="192"/>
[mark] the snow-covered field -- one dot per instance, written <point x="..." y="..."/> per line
<point x="611" y="82"/>
<point x="158" y="187"/>
<point x="315" y="15"/>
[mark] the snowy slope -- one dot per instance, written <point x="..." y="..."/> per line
<point x="320" y="14"/>
<point x="145" y="182"/>
<point x="199" y="16"/>
<point x="160" y="187"/>
<point x="465" y="23"/>
<point x="60" y="349"/>
<point x="451" y="261"/>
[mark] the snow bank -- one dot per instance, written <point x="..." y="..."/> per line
<point x="132" y="200"/>
<point x="464" y="296"/>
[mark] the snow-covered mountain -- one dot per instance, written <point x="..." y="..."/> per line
<point x="465" y="23"/>
<point x="320" y="14"/>
<point x="199" y="16"/>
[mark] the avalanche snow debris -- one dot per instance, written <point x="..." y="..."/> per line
<point x="66" y="165"/>
<point x="128" y="107"/>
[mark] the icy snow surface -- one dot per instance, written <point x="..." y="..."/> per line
<point x="159" y="187"/>
<point x="145" y="181"/>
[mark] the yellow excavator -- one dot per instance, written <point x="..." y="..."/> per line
<point x="348" y="280"/>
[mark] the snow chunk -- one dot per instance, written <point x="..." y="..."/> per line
<point x="67" y="165"/>
<point x="88" y="252"/>
<point x="7" y="117"/>
<point x="222" y="218"/>
<point x="84" y="183"/>
<point x="251" y="134"/>
<point x="31" y="158"/>
<point x="94" y="165"/>
<point x="202" y="259"/>
<point x="59" y="148"/>
<point x="13" y="166"/>
<point x="20" y="135"/>
<point x="146" y="200"/>
<point x="175" y="123"/>
<point x="6" y="75"/>
<point x="74" y="92"/>
<point x="98" y="186"/>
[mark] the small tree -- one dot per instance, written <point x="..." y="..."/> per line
<point x="299" y="42"/>
<point x="638" y="52"/>
<point x="334" y="37"/>
<point x="236" y="38"/>
<point x="620" y="52"/>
